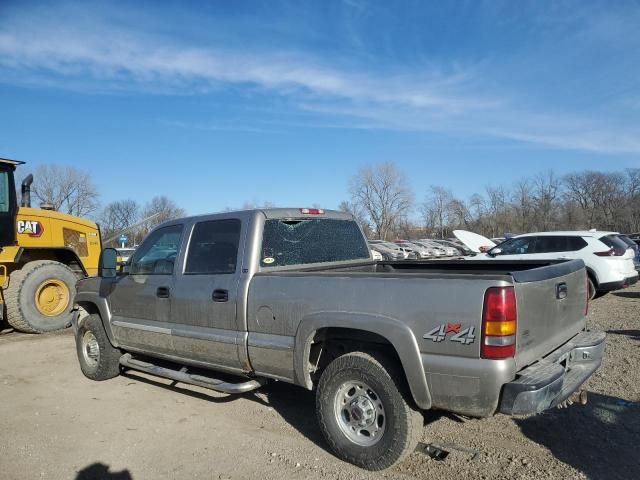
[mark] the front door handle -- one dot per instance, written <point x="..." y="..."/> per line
<point x="220" y="295"/>
<point x="162" y="292"/>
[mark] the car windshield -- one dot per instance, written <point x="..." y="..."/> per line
<point x="301" y="241"/>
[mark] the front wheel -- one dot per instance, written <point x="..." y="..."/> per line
<point x="99" y="360"/>
<point x="365" y="412"/>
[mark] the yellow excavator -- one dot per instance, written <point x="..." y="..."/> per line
<point x="42" y="255"/>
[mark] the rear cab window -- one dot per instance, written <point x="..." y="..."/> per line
<point x="213" y="249"/>
<point x="300" y="241"/>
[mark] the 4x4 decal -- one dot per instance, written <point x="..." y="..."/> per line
<point x="465" y="336"/>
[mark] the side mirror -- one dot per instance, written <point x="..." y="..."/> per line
<point x="108" y="265"/>
<point x="495" y="251"/>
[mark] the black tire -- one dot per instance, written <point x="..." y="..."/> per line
<point x="403" y="422"/>
<point x="591" y="288"/>
<point x="22" y="313"/>
<point x="107" y="357"/>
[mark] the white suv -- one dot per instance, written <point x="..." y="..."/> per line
<point x="608" y="259"/>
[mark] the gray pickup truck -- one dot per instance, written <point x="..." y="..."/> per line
<point x="292" y="295"/>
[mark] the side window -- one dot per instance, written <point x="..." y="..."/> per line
<point x="516" y="246"/>
<point x="549" y="244"/>
<point x="575" y="244"/>
<point x="4" y="192"/>
<point x="157" y="254"/>
<point x="214" y="247"/>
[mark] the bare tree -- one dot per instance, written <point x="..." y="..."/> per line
<point x="67" y="189"/>
<point x="158" y="210"/>
<point x="384" y="195"/>
<point x="117" y="217"/>
<point x="436" y="208"/>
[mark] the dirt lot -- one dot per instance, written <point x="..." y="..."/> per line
<point x="55" y="424"/>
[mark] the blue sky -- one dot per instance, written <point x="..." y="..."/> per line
<point x="220" y="103"/>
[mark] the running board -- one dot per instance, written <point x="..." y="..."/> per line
<point x="128" y="361"/>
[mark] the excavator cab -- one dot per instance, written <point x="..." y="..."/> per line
<point x="8" y="202"/>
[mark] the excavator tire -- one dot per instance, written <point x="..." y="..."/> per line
<point x="40" y="296"/>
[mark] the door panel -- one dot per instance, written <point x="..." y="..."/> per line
<point x="141" y="300"/>
<point x="203" y="308"/>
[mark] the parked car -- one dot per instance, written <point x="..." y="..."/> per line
<point x="447" y="251"/>
<point x="435" y="251"/>
<point x="419" y="250"/>
<point x="293" y="295"/>
<point x="377" y="256"/>
<point x="608" y="259"/>
<point x="450" y="250"/>
<point x="124" y="254"/>
<point x="635" y="247"/>
<point x="388" y="250"/>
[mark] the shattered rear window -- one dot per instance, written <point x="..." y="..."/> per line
<point x="301" y="241"/>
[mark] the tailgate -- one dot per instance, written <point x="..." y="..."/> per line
<point x="550" y="305"/>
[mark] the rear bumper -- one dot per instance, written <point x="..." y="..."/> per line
<point x="553" y="379"/>
<point x="610" y="286"/>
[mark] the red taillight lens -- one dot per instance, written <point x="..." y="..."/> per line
<point x="608" y="253"/>
<point x="499" y="321"/>
<point x="312" y="211"/>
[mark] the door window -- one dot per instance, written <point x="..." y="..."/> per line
<point x="4" y="192"/>
<point x="157" y="254"/>
<point x="214" y="247"/>
<point x="516" y="246"/>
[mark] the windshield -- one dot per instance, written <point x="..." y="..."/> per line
<point x="302" y="241"/>
<point x="4" y="192"/>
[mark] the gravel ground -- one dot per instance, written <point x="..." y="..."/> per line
<point x="55" y="424"/>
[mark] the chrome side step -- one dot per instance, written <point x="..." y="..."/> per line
<point x="128" y="361"/>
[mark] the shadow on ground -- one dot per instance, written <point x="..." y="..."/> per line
<point x="294" y="404"/>
<point x="627" y="294"/>
<point x="599" y="439"/>
<point x="100" y="471"/>
<point x="634" y="334"/>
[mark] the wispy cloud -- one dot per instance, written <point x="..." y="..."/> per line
<point x="98" y="54"/>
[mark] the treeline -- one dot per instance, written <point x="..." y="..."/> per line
<point x="386" y="207"/>
<point x="71" y="190"/>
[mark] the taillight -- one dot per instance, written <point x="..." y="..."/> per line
<point x="499" y="319"/>
<point x="312" y="211"/>
<point x="612" y="252"/>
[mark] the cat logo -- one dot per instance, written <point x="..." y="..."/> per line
<point x="32" y="228"/>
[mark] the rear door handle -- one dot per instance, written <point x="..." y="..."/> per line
<point x="162" y="292"/>
<point x="220" y="295"/>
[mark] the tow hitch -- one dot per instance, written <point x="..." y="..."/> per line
<point x="575" y="397"/>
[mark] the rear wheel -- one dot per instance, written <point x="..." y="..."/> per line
<point x="39" y="296"/>
<point x="365" y="411"/>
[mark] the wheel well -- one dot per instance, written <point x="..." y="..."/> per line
<point x="592" y="275"/>
<point x="84" y="310"/>
<point x="329" y="343"/>
<point x="63" y="255"/>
